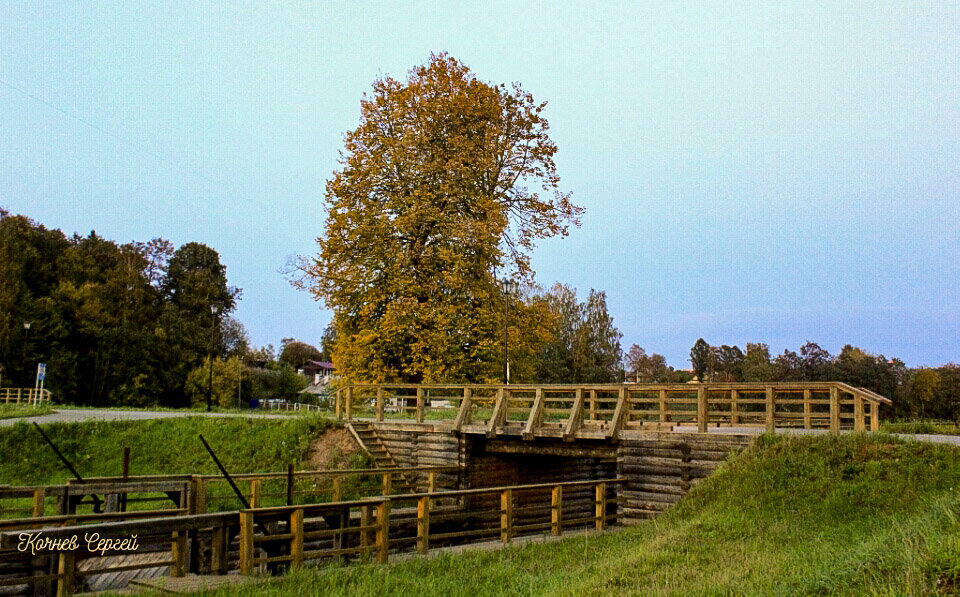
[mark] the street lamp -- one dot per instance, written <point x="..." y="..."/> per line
<point x="214" y="309"/>
<point x="26" y="336"/>
<point x="509" y="287"/>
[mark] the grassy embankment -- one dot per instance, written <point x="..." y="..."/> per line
<point x="849" y="515"/>
<point x="16" y="411"/>
<point x="168" y="446"/>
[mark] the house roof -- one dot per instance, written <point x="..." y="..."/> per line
<point x="320" y="365"/>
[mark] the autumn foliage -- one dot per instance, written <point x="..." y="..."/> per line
<point x="446" y="181"/>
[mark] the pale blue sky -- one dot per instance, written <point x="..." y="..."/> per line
<point x="775" y="172"/>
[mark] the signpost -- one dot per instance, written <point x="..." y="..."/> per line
<point x="38" y="387"/>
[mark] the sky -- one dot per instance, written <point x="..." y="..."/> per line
<point x="776" y="172"/>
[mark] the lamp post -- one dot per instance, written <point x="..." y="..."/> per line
<point x="214" y="309"/>
<point x="26" y="337"/>
<point x="509" y="287"/>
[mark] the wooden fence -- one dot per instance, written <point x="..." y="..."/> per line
<point x="24" y="396"/>
<point x="197" y="494"/>
<point x="602" y="411"/>
<point x="271" y="539"/>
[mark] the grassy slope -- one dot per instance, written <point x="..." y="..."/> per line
<point x="847" y="515"/>
<point x="156" y="446"/>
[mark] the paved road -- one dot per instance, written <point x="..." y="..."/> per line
<point x="66" y="415"/>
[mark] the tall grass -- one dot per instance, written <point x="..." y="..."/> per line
<point x="822" y="515"/>
<point x="158" y="446"/>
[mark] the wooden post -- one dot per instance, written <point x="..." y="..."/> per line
<point x="383" y="532"/>
<point x="556" y="511"/>
<point x="601" y="506"/>
<point x="834" y="409"/>
<point x="218" y="550"/>
<point x="807" y="421"/>
<point x="350" y="403"/>
<point x="506" y="515"/>
<point x="423" y="525"/>
<point x="431" y="481"/>
<point x="296" y="541"/>
<point x="465" y="410"/>
<point x="874" y="416"/>
<point x="702" y="416"/>
<point x="664" y="417"/>
<point x="576" y="416"/>
<point x="337" y="489"/>
<point x="339" y="404"/>
<point x="619" y="412"/>
<point x="734" y="407"/>
<point x="66" y="571"/>
<point x="858" y="422"/>
<point x="38" y="495"/>
<point x="387" y="483"/>
<point x="533" y="419"/>
<point x="179" y="552"/>
<point x="379" y="403"/>
<point x="498" y="415"/>
<point x="366" y="520"/>
<point x="200" y="500"/>
<point x="593" y="405"/>
<point x="771" y="410"/>
<point x="246" y="542"/>
<point x="254" y="493"/>
<point x="420" y="404"/>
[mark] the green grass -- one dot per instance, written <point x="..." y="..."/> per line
<point x="158" y="446"/>
<point x="821" y="515"/>
<point x="16" y="411"/>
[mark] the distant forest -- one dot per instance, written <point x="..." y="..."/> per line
<point x="134" y="324"/>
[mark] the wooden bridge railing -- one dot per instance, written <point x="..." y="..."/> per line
<point x="202" y="493"/>
<point x="24" y="396"/>
<point x="289" y="536"/>
<point x="604" y="410"/>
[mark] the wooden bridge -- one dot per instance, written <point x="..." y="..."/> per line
<point x="608" y="411"/>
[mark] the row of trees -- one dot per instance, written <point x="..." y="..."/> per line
<point x="116" y="324"/>
<point x="916" y="392"/>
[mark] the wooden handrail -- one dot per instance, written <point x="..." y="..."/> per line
<point x="610" y="408"/>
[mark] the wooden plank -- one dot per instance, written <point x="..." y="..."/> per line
<point x="533" y="419"/>
<point x="296" y="542"/>
<point x="601" y="503"/>
<point x="420" y="404"/>
<point x="576" y="416"/>
<point x="506" y="515"/>
<point x="499" y="412"/>
<point x="423" y="525"/>
<point x="246" y="542"/>
<point x="702" y="412"/>
<point x="379" y="403"/>
<point x="859" y="424"/>
<point x="383" y="532"/>
<point x="734" y="407"/>
<point x="66" y="571"/>
<point x="556" y="512"/>
<point x="463" y="415"/>
<point x="218" y="550"/>
<point x="617" y="422"/>
<point x="178" y="550"/>
<point x="771" y="412"/>
<point x="834" y="409"/>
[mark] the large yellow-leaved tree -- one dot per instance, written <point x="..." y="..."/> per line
<point x="446" y="181"/>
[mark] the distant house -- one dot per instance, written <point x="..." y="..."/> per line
<point x="320" y="373"/>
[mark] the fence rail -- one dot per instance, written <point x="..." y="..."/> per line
<point x="269" y="539"/>
<point x="604" y="410"/>
<point x="24" y="396"/>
